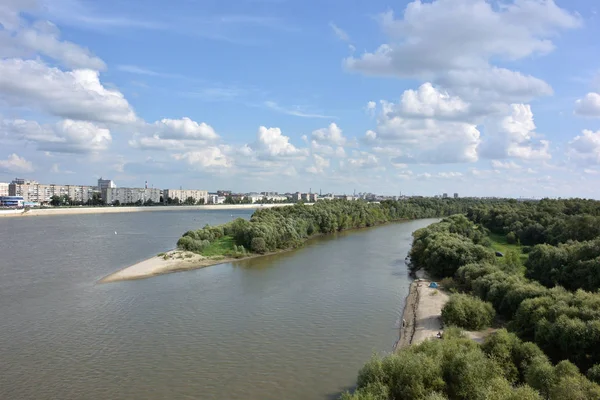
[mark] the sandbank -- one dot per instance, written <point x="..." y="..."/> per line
<point x="422" y="317"/>
<point x="164" y="263"/>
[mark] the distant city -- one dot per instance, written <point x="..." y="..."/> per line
<point x="30" y="193"/>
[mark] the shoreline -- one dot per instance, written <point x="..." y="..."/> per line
<point x="34" y="212"/>
<point x="422" y="313"/>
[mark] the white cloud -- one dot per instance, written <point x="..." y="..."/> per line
<point x="17" y="164"/>
<point x="417" y="138"/>
<point x="173" y="134"/>
<point x="330" y="135"/>
<point x="585" y="148"/>
<point x="428" y="102"/>
<point x="505" y="165"/>
<point x="209" y="157"/>
<point x="74" y="94"/>
<point x="44" y="39"/>
<point x="362" y="160"/>
<point x="319" y="166"/>
<point x="184" y="128"/>
<point x="454" y="41"/>
<point x="271" y="143"/>
<point x="514" y="136"/>
<point x="66" y="136"/>
<point x="340" y="33"/>
<point x="589" y="106"/>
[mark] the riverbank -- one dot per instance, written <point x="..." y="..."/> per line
<point x="111" y="210"/>
<point x="422" y="317"/>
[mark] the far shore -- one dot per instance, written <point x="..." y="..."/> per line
<point x="124" y="209"/>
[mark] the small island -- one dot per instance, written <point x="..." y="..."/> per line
<point x="277" y="229"/>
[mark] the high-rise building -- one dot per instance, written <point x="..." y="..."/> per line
<point x="105" y="184"/>
<point x="445" y="195"/>
<point x="456" y="195"/>
<point x="3" y="189"/>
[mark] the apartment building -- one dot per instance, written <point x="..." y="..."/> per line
<point x="183" y="195"/>
<point x="3" y="189"/>
<point x="130" y="195"/>
<point x="35" y="192"/>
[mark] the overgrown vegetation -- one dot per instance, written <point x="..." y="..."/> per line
<point x="279" y="228"/>
<point x="468" y="312"/>
<point x="564" y="324"/>
<point x="454" y="367"/>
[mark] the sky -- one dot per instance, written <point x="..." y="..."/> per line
<point x="481" y="98"/>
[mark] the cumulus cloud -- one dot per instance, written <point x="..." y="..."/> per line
<point x="429" y="102"/>
<point x="514" y="136"/>
<point x="589" y="106"/>
<point x="173" y="134"/>
<point x="206" y="158"/>
<point x="585" y="148"/>
<point x="362" y="160"/>
<point x="330" y="135"/>
<point x="505" y="164"/>
<point x="319" y="165"/>
<point x="411" y="129"/>
<point x="271" y="143"/>
<point x="454" y="41"/>
<point x="76" y="94"/>
<point x="66" y="136"/>
<point x="17" y="164"/>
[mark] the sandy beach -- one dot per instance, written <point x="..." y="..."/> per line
<point x="110" y="210"/>
<point x="422" y="313"/>
<point x="164" y="263"/>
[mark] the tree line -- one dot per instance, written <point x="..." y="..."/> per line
<point x="277" y="228"/>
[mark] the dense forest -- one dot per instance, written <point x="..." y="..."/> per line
<point x="543" y="301"/>
<point x="272" y="229"/>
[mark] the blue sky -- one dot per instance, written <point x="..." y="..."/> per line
<point x="470" y="96"/>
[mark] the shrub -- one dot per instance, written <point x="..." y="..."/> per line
<point x="511" y="238"/>
<point x="468" y="312"/>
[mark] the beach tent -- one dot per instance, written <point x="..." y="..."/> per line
<point x="433" y="285"/>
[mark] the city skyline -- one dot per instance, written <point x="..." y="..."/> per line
<point x="281" y="95"/>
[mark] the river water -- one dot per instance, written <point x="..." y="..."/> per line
<point x="297" y="325"/>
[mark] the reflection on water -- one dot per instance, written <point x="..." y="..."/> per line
<point x="295" y="325"/>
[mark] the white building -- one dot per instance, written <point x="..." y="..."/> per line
<point x="3" y="189"/>
<point x="130" y="195"/>
<point x="183" y="195"/>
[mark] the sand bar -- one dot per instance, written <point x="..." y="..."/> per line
<point x="422" y="313"/>
<point x="171" y="261"/>
<point x="110" y="210"/>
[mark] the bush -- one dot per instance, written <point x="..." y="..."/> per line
<point x="468" y="312"/>
<point x="511" y="238"/>
<point x="258" y="245"/>
<point x="593" y="373"/>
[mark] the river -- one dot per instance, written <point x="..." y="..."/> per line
<point x="297" y="325"/>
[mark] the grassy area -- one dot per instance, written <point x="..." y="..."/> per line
<point x="500" y="244"/>
<point x="220" y="247"/>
